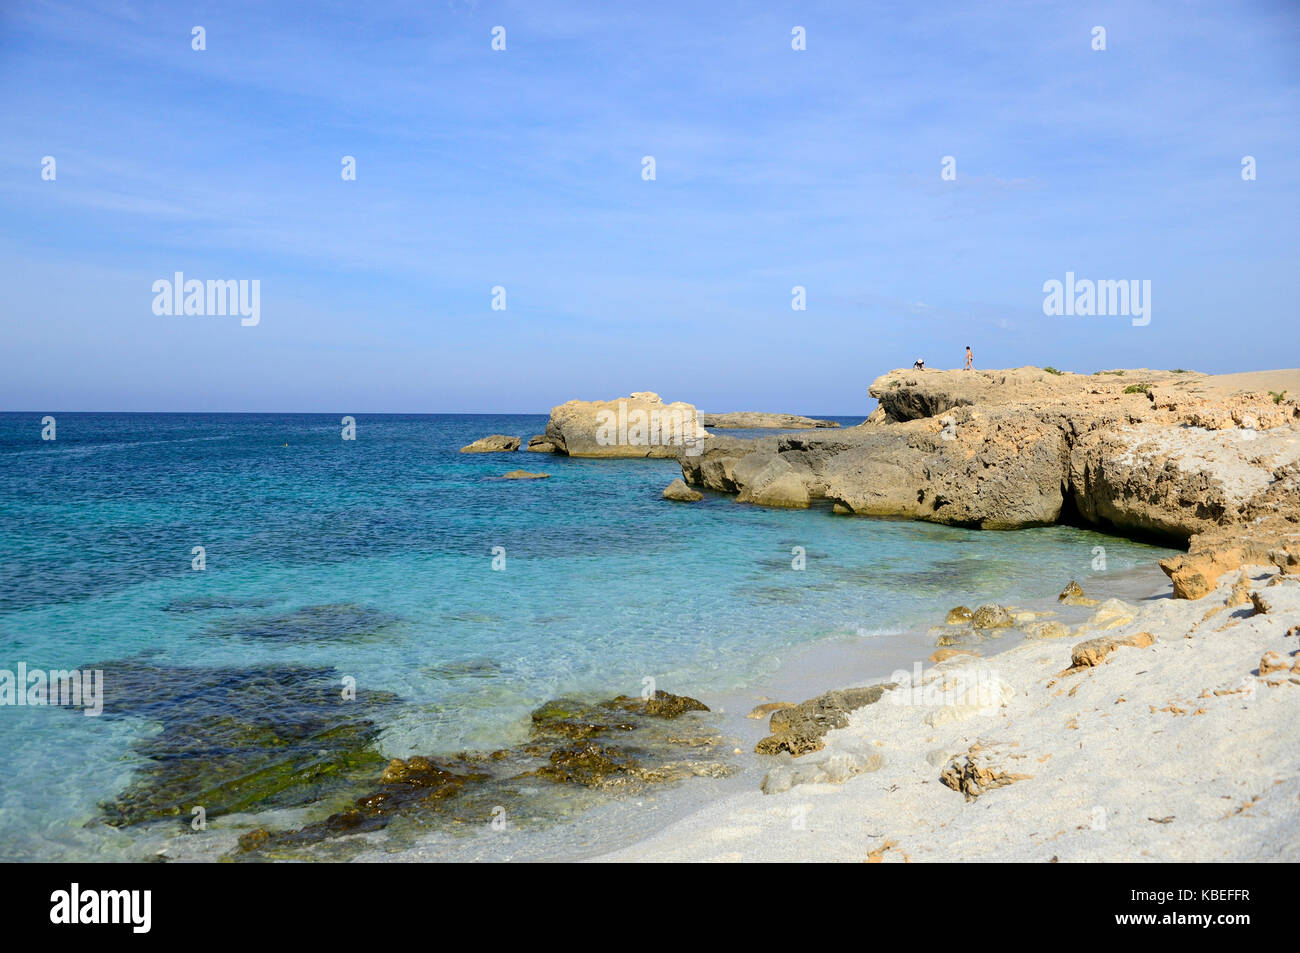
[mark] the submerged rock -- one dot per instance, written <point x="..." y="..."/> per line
<point x="619" y="745"/>
<point x="339" y="622"/>
<point x="525" y="475"/>
<point x="1047" y="630"/>
<point x="236" y="739"/>
<point x="762" y="711"/>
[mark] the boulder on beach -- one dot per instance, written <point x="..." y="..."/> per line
<point x="496" y="443"/>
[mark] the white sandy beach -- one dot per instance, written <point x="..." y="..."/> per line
<point x="1175" y="751"/>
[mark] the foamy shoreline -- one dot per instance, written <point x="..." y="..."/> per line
<point x="1136" y="758"/>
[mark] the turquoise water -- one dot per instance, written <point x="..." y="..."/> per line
<point x="374" y="558"/>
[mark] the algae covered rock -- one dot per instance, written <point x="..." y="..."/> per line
<point x="959" y="615"/>
<point x="607" y="748"/>
<point x="801" y="729"/>
<point x="992" y="616"/>
<point x="237" y="739"/>
<point x="1072" y="595"/>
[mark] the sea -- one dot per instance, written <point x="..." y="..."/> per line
<point x="186" y="556"/>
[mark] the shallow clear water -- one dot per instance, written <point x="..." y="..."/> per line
<point x="604" y="583"/>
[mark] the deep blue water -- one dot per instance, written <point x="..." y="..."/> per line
<point x="604" y="583"/>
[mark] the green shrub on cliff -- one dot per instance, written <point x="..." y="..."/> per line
<point x="1137" y="388"/>
<point x="1052" y="370"/>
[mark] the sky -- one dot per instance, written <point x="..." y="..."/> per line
<point x="522" y="169"/>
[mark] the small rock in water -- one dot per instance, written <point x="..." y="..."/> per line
<point x="1047" y="630"/>
<point x="497" y="443"/>
<point x="959" y="615"/>
<point x="762" y="711"/>
<point x="1111" y="614"/>
<point x="1072" y="595"/>
<point x="525" y="475"/>
<point x="992" y="616"/>
<point x="679" y="492"/>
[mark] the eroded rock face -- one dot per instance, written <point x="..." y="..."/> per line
<point x="539" y="444"/>
<point x="770" y="479"/>
<point x="1177" y="481"/>
<point x="1135" y="451"/>
<point x="639" y="425"/>
<point x="496" y="443"/>
<point x="1273" y="540"/>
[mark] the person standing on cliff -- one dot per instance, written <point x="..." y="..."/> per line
<point x="970" y="360"/>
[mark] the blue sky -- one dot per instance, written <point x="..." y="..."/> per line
<point x="522" y="168"/>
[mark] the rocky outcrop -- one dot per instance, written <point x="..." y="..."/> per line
<point x="497" y="443"/>
<point x="539" y="444"/>
<point x="1272" y="540"/>
<point x="1152" y="453"/>
<point x="525" y="475"/>
<point x="639" y="425"/>
<point x="755" y="421"/>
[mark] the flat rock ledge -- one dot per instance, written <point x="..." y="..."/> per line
<point x="746" y="420"/>
<point x="496" y="443"/>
